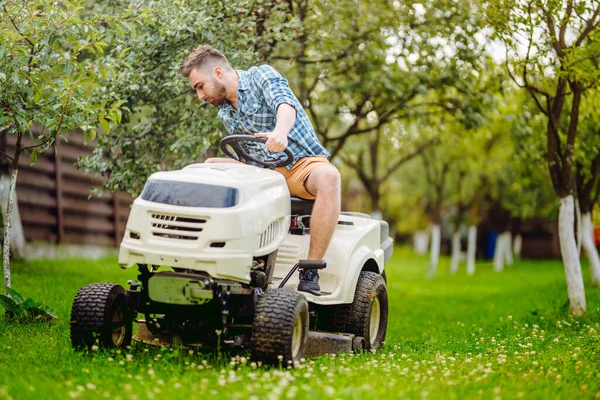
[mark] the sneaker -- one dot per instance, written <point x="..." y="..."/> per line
<point x="309" y="282"/>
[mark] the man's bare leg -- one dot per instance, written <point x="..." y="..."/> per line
<point x="324" y="182"/>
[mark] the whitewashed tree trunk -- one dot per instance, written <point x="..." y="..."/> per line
<point x="7" y="226"/>
<point x="455" y="252"/>
<point x="518" y="246"/>
<point x="471" y="249"/>
<point x="434" y="258"/>
<point x="421" y="242"/>
<point x="17" y="237"/>
<point x="579" y="225"/>
<point x="570" y="256"/>
<point x="499" y="253"/>
<point x="508" y="255"/>
<point x="590" y="248"/>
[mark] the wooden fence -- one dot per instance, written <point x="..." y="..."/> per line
<point x="55" y="202"/>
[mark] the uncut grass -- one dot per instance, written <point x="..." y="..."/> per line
<point x="491" y="335"/>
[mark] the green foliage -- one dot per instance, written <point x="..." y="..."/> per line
<point x="167" y="126"/>
<point x="28" y="310"/>
<point x="54" y="68"/>
<point x="553" y="52"/>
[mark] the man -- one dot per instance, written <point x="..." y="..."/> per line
<point x="260" y="102"/>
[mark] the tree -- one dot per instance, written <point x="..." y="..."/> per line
<point x="53" y="71"/>
<point x="587" y="178"/>
<point x="166" y="126"/>
<point x="385" y="151"/>
<point x="552" y="53"/>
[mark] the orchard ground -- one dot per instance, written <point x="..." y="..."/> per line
<point x="492" y="335"/>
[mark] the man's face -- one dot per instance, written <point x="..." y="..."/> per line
<point x="207" y="86"/>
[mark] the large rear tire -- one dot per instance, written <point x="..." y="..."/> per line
<point x="366" y="316"/>
<point x="280" y="327"/>
<point x="99" y="317"/>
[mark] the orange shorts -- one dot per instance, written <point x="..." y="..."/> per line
<point x="296" y="176"/>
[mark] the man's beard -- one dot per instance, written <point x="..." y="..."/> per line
<point x="219" y="98"/>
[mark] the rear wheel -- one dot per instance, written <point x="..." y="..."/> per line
<point x="366" y="316"/>
<point x="280" y="327"/>
<point x="99" y="316"/>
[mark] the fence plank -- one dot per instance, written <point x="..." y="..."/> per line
<point x="59" y="194"/>
<point x="54" y="197"/>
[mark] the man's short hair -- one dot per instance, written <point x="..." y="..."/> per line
<point x="203" y="56"/>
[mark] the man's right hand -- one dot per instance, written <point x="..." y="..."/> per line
<point x="276" y="141"/>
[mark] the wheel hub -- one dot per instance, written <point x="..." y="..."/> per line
<point x="118" y="333"/>
<point x="297" y="336"/>
<point x="375" y="320"/>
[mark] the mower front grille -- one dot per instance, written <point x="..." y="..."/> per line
<point x="176" y="227"/>
<point x="271" y="233"/>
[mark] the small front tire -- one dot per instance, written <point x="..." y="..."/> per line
<point x="99" y="317"/>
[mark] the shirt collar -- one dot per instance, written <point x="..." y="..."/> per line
<point x="243" y="83"/>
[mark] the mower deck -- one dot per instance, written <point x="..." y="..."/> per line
<point x="318" y="343"/>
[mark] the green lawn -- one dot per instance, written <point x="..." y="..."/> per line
<point x="492" y="335"/>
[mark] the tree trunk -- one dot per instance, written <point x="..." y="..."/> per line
<point x="578" y="224"/>
<point x="435" y="250"/>
<point x="17" y="237"/>
<point x="421" y="242"/>
<point x="518" y="246"/>
<point x="471" y="249"/>
<point x="570" y="256"/>
<point x="508" y="255"/>
<point x="7" y="226"/>
<point x="499" y="253"/>
<point x="590" y="248"/>
<point x="455" y="252"/>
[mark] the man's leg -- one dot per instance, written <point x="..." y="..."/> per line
<point x="324" y="183"/>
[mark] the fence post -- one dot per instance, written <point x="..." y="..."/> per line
<point x="60" y="234"/>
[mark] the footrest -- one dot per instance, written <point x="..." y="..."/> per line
<point x="312" y="264"/>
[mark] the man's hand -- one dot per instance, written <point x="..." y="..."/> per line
<point x="276" y="141"/>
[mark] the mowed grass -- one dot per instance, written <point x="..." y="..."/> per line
<point x="493" y="335"/>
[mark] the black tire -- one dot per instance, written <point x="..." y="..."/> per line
<point x="356" y="318"/>
<point x="99" y="317"/>
<point x="280" y="327"/>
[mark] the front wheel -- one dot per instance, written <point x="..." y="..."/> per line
<point x="99" y="316"/>
<point x="280" y="327"/>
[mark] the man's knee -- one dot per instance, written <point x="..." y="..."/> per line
<point x="326" y="177"/>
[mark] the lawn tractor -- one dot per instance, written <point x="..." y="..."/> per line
<point x="217" y="246"/>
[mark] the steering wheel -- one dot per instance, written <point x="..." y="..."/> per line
<point x="233" y="147"/>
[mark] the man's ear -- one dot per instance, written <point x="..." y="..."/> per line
<point x="218" y="72"/>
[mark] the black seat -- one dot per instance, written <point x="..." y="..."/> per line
<point x="302" y="206"/>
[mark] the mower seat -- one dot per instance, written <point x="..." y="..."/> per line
<point x="302" y="206"/>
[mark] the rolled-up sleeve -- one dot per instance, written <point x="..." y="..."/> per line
<point x="275" y="88"/>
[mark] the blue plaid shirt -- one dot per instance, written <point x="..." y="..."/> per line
<point x="260" y="91"/>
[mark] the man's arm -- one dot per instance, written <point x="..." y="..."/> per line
<point x="280" y="99"/>
<point x="278" y="139"/>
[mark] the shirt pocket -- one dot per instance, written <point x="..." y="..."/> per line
<point x="260" y="117"/>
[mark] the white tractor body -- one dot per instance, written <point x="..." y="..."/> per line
<point x="216" y="218"/>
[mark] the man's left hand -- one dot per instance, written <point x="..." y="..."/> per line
<point x="276" y="141"/>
